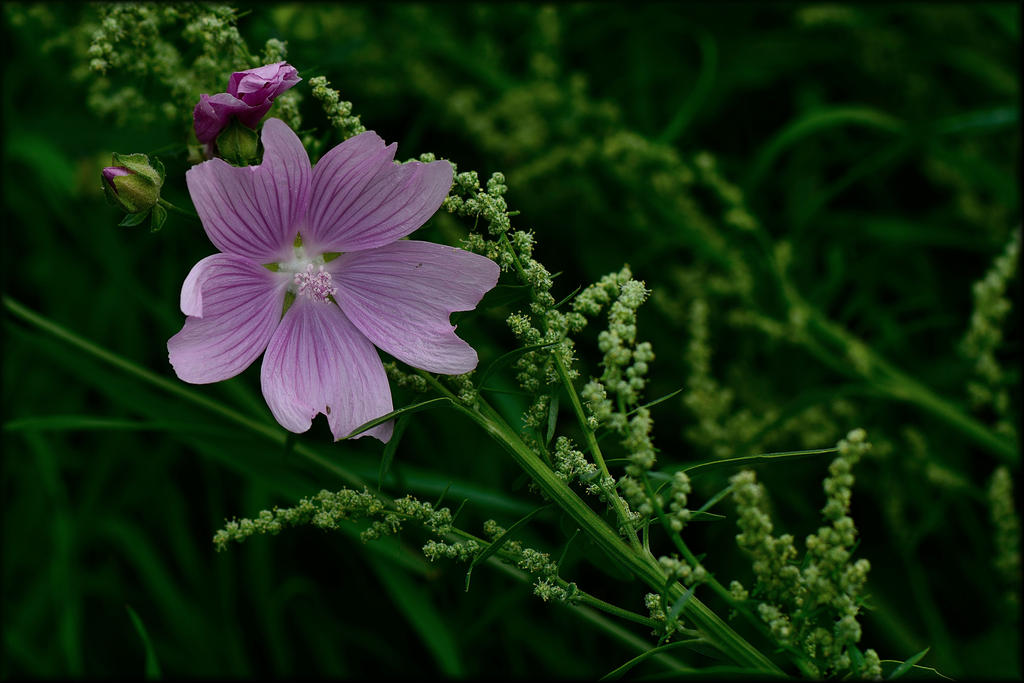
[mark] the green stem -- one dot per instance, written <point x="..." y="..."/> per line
<point x="175" y="388"/>
<point x="171" y="207"/>
<point x="711" y="581"/>
<point x="279" y="437"/>
<point x="876" y="370"/>
<point x="901" y="386"/>
<point x="641" y="564"/>
<point x="625" y="523"/>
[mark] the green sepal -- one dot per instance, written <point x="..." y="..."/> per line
<point x="158" y="216"/>
<point x="237" y="144"/>
<point x="132" y="219"/>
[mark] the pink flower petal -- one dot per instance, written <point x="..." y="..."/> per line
<point x="400" y="297"/>
<point x="262" y="84"/>
<point x="212" y="113"/>
<point x="255" y="211"/>
<point x="233" y="306"/>
<point x="317" y="362"/>
<point x="361" y="200"/>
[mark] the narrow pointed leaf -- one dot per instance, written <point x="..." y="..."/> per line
<point x="152" y="665"/>
<point x="616" y="674"/>
<point x="907" y="665"/>
<point x="749" y="459"/>
<point x="496" y="544"/>
<point x="414" y="408"/>
<point x="679" y="604"/>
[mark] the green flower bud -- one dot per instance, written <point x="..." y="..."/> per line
<point x="236" y="144"/>
<point x="133" y="182"/>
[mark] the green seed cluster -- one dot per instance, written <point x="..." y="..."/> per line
<point x="655" y="605"/>
<point x="329" y="509"/>
<point x="540" y="324"/>
<point x="570" y="463"/>
<point x="991" y="383"/>
<point x="148" y="42"/>
<point x="717" y="427"/>
<point x="1006" y="525"/>
<point x="463" y="551"/>
<point x="338" y="111"/>
<point x="613" y="399"/>
<point x="810" y="605"/>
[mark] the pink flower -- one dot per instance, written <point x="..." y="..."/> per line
<point x="354" y="282"/>
<point x="249" y="97"/>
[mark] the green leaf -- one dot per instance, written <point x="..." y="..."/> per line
<point x="507" y="358"/>
<point x="414" y="408"/>
<point x="390" y="448"/>
<point x="617" y="673"/>
<point x="570" y="295"/>
<point x="906" y="666"/>
<point x="552" y="419"/>
<point x="655" y="401"/>
<point x="132" y="219"/>
<point x="813" y="122"/>
<point x="496" y="544"/>
<point x="712" y="501"/>
<point x="62" y="423"/>
<point x="152" y="665"/>
<point x="679" y="604"/>
<point x="747" y="459"/>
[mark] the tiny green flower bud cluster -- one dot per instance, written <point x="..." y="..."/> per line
<point x="991" y="383"/>
<point x="139" y="39"/>
<point x="550" y="589"/>
<point x="655" y="608"/>
<point x="611" y="399"/>
<point x="679" y="570"/>
<point x="678" y="514"/>
<point x="810" y="605"/>
<point x="570" y="463"/>
<point x="731" y="196"/>
<point x="466" y="198"/>
<point x="540" y="323"/>
<point x="463" y="551"/>
<point x="338" y="111"/>
<point x="463" y="387"/>
<point x="408" y="380"/>
<point x="329" y="509"/>
<point x="1006" y="525"/>
<point x="716" y="429"/>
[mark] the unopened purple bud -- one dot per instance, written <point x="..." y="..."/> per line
<point x="249" y="97"/>
<point x="133" y="183"/>
<point x="262" y="84"/>
<point x="111" y="172"/>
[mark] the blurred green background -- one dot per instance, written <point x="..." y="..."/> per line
<point x="871" y="150"/>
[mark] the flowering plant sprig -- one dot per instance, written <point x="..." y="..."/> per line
<point x="314" y="270"/>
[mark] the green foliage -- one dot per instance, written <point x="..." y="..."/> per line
<point x="810" y="604"/>
<point x="808" y="198"/>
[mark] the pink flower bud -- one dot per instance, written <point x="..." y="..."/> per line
<point x="249" y="97"/>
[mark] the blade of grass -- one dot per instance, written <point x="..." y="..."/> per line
<point x="617" y="673"/>
<point x="152" y="665"/>
<point x="414" y="604"/>
<point x="406" y="410"/>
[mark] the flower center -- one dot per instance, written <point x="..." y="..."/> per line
<point x="309" y="277"/>
<point x="315" y="283"/>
